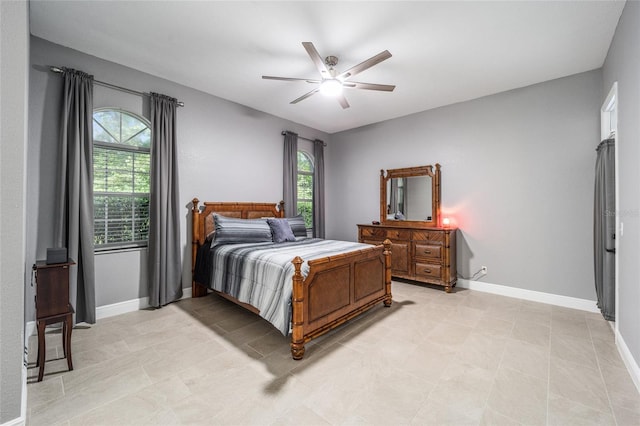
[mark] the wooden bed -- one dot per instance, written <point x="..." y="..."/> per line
<point x="336" y="289"/>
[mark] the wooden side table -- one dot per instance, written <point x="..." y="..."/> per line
<point x="52" y="307"/>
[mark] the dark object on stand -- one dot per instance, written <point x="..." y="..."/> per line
<point x="56" y="255"/>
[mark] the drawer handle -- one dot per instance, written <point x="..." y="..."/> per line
<point x="428" y="271"/>
<point x="427" y="252"/>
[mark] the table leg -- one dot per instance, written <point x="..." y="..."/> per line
<point x="42" y="349"/>
<point x="67" y="340"/>
<point x="64" y="337"/>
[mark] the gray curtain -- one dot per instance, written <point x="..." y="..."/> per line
<point x="318" y="189"/>
<point x="74" y="212"/>
<point x="290" y="174"/>
<point x="604" y="228"/>
<point x="392" y="208"/>
<point x="165" y="266"/>
<point x="404" y="204"/>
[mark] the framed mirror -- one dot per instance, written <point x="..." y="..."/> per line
<point x="411" y="196"/>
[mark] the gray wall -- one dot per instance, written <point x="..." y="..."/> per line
<point x="227" y="152"/>
<point x="623" y="65"/>
<point x="517" y="179"/>
<point x="14" y="72"/>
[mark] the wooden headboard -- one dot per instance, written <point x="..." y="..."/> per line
<point x="202" y="220"/>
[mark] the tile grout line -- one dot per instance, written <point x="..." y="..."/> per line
<point x="486" y="405"/>
<point x="549" y="368"/>
<point x="606" y="388"/>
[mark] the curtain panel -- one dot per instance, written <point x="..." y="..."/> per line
<point x="290" y="174"/>
<point x="318" y="189"/>
<point x="405" y="199"/>
<point x="164" y="262"/>
<point x="74" y="213"/>
<point x="604" y="228"/>
<point x="392" y="207"/>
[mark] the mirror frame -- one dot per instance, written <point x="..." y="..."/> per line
<point x="412" y="172"/>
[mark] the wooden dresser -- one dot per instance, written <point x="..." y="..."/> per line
<point x="422" y="254"/>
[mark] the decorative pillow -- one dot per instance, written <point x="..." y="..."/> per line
<point x="281" y="230"/>
<point x="233" y="230"/>
<point x="297" y="226"/>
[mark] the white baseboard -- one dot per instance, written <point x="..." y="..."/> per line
<point x="22" y="420"/>
<point x="120" y="308"/>
<point x="15" y="422"/>
<point x="534" y="296"/>
<point x="627" y="358"/>
<point x="29" y="330"/>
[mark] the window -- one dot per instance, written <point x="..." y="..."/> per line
<point x="609" y="114"/>
<point x="305" y="188"/>
<point x="121" y="167"/>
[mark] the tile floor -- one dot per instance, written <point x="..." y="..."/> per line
<point x="465" y="358"/>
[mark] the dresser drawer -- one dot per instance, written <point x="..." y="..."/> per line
<point x="428" y="270"/>
<point x="428" y="251"/>
<point x="434" y="237"/>
<point x="369" y="233"/>
<point x="398" y="234"/>
<point x="393" y="234"/>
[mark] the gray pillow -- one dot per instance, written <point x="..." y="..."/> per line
<point x="281" y="230"/>
<point x="297" y="226"/>
<point x="234" y="230"/>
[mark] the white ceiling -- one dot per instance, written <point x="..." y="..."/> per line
<point x="443" y="52"/>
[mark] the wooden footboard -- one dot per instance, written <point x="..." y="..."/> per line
<point x="336" y="289"/>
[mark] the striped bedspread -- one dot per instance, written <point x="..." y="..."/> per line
<point x="261" y="274"/>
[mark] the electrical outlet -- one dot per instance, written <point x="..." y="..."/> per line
<point x="483" y="270"/>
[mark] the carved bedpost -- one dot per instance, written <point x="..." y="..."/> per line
<point x="387" y="272"/>
<point x="297" y="338"/>
<point x="196" y="289"/>
<point x="281" y="208"/>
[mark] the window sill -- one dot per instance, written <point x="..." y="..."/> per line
<point x="118" y="250"/>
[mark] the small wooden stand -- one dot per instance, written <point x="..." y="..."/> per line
<point x="52" y="307"/>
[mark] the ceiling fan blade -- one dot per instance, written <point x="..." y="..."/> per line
<point x="303" y="97"/>
<point x="343" y="101"/>
<point x="269" y="77"/>
<point x="316" y="58"/>
<point x="369" y="86"/>
<point x="365" y="65"/>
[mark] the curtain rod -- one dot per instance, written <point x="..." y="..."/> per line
<point x="306" y="139"/>
<point x="113" y="86"/>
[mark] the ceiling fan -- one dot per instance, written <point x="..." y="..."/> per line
<point x="332" y="82"/>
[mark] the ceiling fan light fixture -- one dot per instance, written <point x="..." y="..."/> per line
<point x="331" y="87"/>
<point x="331" y="82"/>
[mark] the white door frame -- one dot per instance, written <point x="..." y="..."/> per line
<point x="609" y="125"/>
